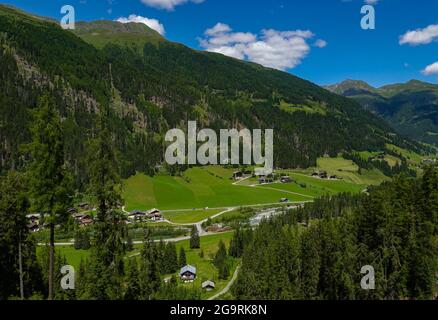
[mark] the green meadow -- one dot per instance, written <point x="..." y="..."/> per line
<point x="72" y="255"/>
<point x="349" y="171"/>
<point x="190" y="216"/>
<point x="204" y="187"/>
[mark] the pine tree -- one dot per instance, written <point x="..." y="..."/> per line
<point x="150" y="280"/>
<point x="133" y="283"/>
<point x="221" y="255"/>
<point x="182" y="258"/>
<point x="170" y="258"/>
<point x="21" y="274"/>
<point x="47" y="172"/>
<point x="110" y="228"/>
<point x="195" y="241"/>
<point x="236" y="244"/>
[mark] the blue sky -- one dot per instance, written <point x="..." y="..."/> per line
<point x="319" y="40"/>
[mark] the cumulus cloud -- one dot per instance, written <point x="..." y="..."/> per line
<point x="151" y="23"/>
<point x="167" y="4"/>
<point x="431" y="69"/>
<point x="420" y="36"/>
<point x="276" y="49"/>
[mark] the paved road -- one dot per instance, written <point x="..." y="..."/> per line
<point x="228" y="286"/>
<point x="201" y="231"/>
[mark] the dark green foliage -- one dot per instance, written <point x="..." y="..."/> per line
<point x="13" y="208"/>
<point x="173" y="84"/>
<point x="182" y="261"/>
<point x="133" y="283"/>
<point x="195" y="240"/>
<point x="149" y="276"/>
<point x="49" y="179"/>
<point x="171" y="291"/>
<point x="411" y="108"/>
<point x="221" y="262"/>
<point x="382" y="165"/>
<point x="82" y="240"/>
<point x="170" y="259"/>
<point x="394" y="229"/>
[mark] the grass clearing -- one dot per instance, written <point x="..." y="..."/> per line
<point x="205" y="268"/>
<point x="199" y="188"/>
<point x="72" y="255"/>
<point x="191" y="216"/>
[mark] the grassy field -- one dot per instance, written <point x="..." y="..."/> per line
<point x="72" y="255"/>
<point x="199" y="188"/>
<point x="190" y="216"/>
<point x="349" y="171"/>
<point x="315" y="187"/>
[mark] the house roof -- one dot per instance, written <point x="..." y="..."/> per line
<point x="136" y="212"/>
<point x="207" y="284"/>
<point x="188" y="268"/>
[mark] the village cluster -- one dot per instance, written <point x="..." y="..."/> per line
<point x="82" y="215"/>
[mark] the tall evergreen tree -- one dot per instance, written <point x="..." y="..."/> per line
<point x="18" y="265"/>
<point x="133" y="284"/>
<point x="49" y="179"/>
<point x="170" y="258"/>
<point x="182" y="258"/>
<point x="150" y="280"/>
<point x="110" y="228"/>
<point x="195" y="241"/>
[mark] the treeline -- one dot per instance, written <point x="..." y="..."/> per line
<point x="318" y="252"/>
<point x="401" y="167"/>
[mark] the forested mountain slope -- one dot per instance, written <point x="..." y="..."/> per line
<point x="152" y="85"/>
<point x="411" y="108"/>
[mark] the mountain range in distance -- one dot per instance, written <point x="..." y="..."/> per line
<point x="411" y="108"/>
<point x="151" y="84"/>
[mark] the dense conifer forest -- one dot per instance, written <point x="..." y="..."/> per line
<point x="76" y="119"/>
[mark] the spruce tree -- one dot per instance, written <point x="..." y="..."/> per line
<point x="21" y="274"/>
<point x="182" y="258"/>
<point x="110" y="228"/>
<point x="47" y="172"/>
<point x="170" y="258"/>
<point x="149" y="277"/>
<point x="195" y="241"/>
<point x="133" y="284"/>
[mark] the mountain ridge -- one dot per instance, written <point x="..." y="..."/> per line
<point x="411" y="108"/>
<point x="157" y="85"/>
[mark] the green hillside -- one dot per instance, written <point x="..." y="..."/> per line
<point x="153" y="85"/>
<point x="411" y="108"/>
<point x="213" y="187"/>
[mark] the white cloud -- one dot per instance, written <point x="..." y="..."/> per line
<point x="371" y="2"/>
<point x="167" y="4"/>
<point x="420" y="36"/>
<point x="431" y="69"/>
<point x="151" y="23"/>
<point x="320" y="43"/>
<point x="218" y="28"/>
<point x="276" y="49"/>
